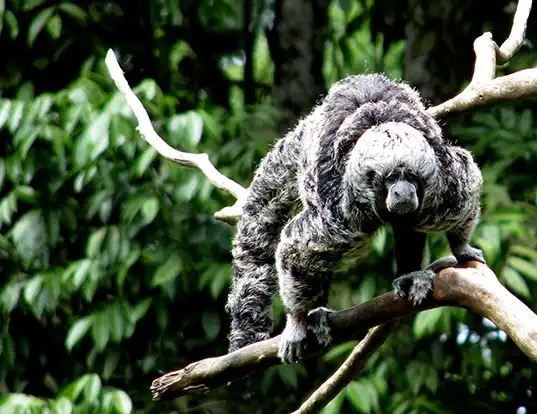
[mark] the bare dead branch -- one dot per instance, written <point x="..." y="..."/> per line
<point x="518" y="32"/>
<point x="485" y="88"/>
<point x="147" y="131"/>
<point x="352" y="366"/>
<point x="518" y="85"/>
<point x="474" y="287"/>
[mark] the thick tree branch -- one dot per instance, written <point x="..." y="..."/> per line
<point x="475" y="288"/>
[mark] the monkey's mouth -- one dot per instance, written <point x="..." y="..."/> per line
<point x="402" y="208"/>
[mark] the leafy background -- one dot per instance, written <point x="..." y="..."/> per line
<point x="113" y="269"/>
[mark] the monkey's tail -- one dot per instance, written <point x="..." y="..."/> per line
<point x="270" y="199"/>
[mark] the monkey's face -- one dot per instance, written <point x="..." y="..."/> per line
<point x="402" y="189"/>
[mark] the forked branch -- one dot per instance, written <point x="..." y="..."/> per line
<point x="475" y="288"/>
<point x="485" y="88"/>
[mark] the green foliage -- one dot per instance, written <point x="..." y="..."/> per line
<point x="113" y="267"/>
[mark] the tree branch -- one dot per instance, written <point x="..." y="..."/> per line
<point x="474" y="287"/>
<point x="147" y="131"/>
<point x="352" y="366"/>
<point x="485" y="88"/>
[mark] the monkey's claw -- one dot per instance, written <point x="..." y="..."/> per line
<point x="469" y="253"/>
<point x="416" y="286"/>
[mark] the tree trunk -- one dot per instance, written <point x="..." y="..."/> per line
<point x="297" y="44"/>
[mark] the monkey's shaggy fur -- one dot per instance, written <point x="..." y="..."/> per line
<point x="334" y="164"/>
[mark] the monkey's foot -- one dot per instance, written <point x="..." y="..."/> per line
<point x="293" y="342"/>
<point x="416" y="285"/>
<point x="468" y="253"/>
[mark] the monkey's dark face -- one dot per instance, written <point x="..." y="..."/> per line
<point x="403" y="192"/>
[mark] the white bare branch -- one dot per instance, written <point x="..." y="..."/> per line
<point x="147" y="131"/>
<point x="485" y="88"/>
<point x="518" y="32"/>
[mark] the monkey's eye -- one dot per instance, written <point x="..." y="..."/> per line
<point x="391" y="177"/>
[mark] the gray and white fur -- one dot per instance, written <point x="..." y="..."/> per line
<point x="368" y="155"/>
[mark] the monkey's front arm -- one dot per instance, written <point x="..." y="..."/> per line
<point x="309" y="249"/>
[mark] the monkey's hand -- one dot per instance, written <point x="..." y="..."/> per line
<point x="293" y="344"/>
<point x="468" y="253"/>
<point x="418" y="285"/>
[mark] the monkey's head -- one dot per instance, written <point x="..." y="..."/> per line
<point x="403" y="192"/>
<point x="392" y="167"/>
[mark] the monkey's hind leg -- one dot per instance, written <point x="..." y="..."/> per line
<point x="305" y="260"/>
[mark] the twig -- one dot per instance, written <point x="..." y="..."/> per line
<point x="352" y="366"/>
<point x="475" y="287"/>
<point x="147" y="131"/>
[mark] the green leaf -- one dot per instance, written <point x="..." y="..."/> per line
<point x="133" y="256"/>
<point x="117" y="322"/>
<point x="144" y="160"/>
<point x="77" y="332"/>
<point x="5" y="109"/>
<point x="188" y="127"/>
<point x="524" y="267"/>
<point x="516" y="282"/>
<point x="30" y="237"/>
<point x="8" y="207"/>
<point x="334" y="406"/>
<point x="9" y="296"/>
<point x="122" y="402"/>
<point x="289" y="375"/>
<point x="210" y="321"/>
<point x="16" y="113"/>
<point x="150" y="209"/>
<point x="426" y="322"/>
<point x="168" y="271"/>
<point x="32" y="4"/>
<point x="61" y="406"/>
<point x="95" y="241"/>
<point x="110" y="364"/>
<point x="100" y="330"/>
<point x="359" y="396"/>
<point x="221" y="280"/>
<point x="416" y="373"/>
<point x="140" y="309"/>
<point x="38" y="23"/>
<point x="32" y="289"/>
<point x="187" y="190"/>
<point x="73" y="10"/>
<point x="93" y="387"/>
<point x="54" y="26"/>
<point x="11" y="21"/>
<point x="75" y="388"/>
<point x="81" y="272"/>
<point x="96" y="202"/>
<point x="26" y="193"/>
<point x="113" y="244"/>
